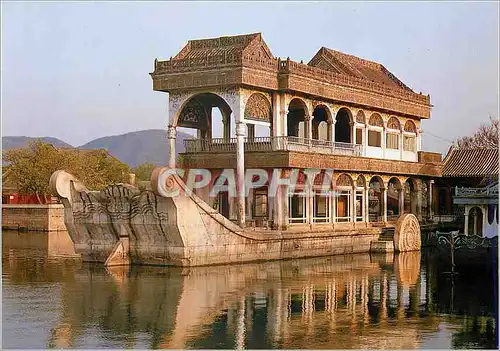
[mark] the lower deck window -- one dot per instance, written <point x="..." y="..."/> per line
<point x="409" y="143"/>
<point x="392" y="141"/>
<point x="359" y="206"/>
<point x="359" y="136"/>
<point x="321" y="206"/>
<point x="343" y="207"/>
<point x="297" y="208"/>
<point x="374" y="138"/>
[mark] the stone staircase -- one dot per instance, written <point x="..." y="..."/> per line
<point x="387" y="235"/>
<point x="385" y="241"/>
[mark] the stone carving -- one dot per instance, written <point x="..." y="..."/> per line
<point x="360" y="117"/>
<point x="175" y="101"/>
<point x="360" y="181"/>
<point x="376" y="120"/>
<point x="258" y="108"/>
<point x="393" y="123"/>
<point x="171" y="132"/>
<point x="193" y="115"/>
<point x="410" y="127"/>
<point x="344" y="180"/>
<point x="407" y="233"/>
<point x="231" y="96"/>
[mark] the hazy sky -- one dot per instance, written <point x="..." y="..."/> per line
<point x="77" y="71"/>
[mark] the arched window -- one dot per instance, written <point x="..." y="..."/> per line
<point x="343" y="126"/>
<point x="344" y="197"/>
<point x="375" y="135"/>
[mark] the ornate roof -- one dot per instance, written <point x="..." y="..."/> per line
<point x="245" y="60"/>
<point x="350" y="65"/>
<point x="472" y="163"/>
<point x="215" y="47"/>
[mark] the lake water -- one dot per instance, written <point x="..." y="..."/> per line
<point x="339" y="302"/>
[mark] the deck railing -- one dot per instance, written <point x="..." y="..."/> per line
<point x="476" y="192"/>
<point x="444" y="218"/>
<point x="265" y="144"/>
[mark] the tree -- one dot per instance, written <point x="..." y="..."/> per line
<point x="31" y="167"/>
<point x="143" y="171"/>
<point x="485" y="137"/>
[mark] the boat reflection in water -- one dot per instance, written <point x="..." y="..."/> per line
<point x="347" y="302"/>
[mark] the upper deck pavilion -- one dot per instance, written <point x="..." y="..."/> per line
<point x="336" y="105"/>
<point x="246" y="61"/>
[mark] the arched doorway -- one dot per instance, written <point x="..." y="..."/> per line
<point x="298" y="200"/>
<point x="375" y="200"/>
<point x="322" y="192"/>
<point x="475" y="221"/>
<point x="196" y="113"/>
<point x="258" y="109"/>
<point x="321" y="123"/>
<point x="343" y="126"/>
<point x="394" y="189"/>
<point x="410" y="196"/>
<point x="360" y="206"/>
<point x="296" y="121"/>
<point x="344" y="187"/>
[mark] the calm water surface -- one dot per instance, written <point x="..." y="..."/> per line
<point x="346" y="302"/>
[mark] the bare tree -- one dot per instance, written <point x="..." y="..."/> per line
<point x="485" y="137"/>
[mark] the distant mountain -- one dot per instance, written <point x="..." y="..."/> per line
<point x="12" y="142"/>
<point x="138" y="147"/>
<point x="132" y="148"/>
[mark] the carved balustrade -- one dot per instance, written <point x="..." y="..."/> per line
<point x="266" y="144"/>
<point x="476" y="192"/>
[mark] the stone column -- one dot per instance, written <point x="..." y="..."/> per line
<point x="353" y="139"/>
<point x="419" y="200"/>
<point x="332" y="130"/>
<point x="310" y="205"/>
<point x="466" y="220"/>
<point x="334" y="207"/>
<point x="401" y="201"/>
<point x="401" y="138"/>
<point x="484" y="209"/>
<point x="240" y="172"/>
<point x="226" y="130"/>
<point x="171" y="134"/>
<point x="384" y="204"/>
<point x="384" y="141"/>
<point x="363" y="206"/>
<point x="286" y="203"/>
<point x="278" y="217"/>
<point x="475" y="222"/>
<point x="307" y="127"/>
<point x="284" y="121"/>
<point x="366" y="140"/>
<point x="329" y="131"/>
<point x="429" y="206"/>
<point x="367" y="204"/>
<point x="226" y="120"/>
<point x="277" y="121"/>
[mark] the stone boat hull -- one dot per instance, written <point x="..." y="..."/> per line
<point x="170" y="225"/>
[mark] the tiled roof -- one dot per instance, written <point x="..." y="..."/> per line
<point x="471" y="163"/>
<point x="230" y="45"/>
<point x="350" y="65"/>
